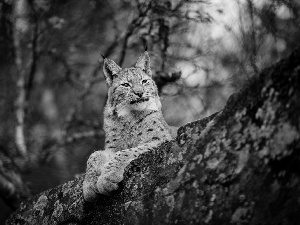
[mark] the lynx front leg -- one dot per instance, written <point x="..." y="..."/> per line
<point x="95" y="164"/>
<point x="113" y="170"/>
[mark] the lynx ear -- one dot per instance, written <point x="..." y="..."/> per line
<point x="110" y="69"/>
<point x="143" y="63"/>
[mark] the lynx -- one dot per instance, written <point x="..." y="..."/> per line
<point x="133" y="124"/>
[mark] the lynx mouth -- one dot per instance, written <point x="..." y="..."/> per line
<point x="140" y="100"/>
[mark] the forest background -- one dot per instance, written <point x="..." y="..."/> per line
<point x="52" y="88"/>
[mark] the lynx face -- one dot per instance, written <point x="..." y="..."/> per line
<point x="131" y="89"/>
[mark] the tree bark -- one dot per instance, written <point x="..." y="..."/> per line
<point x="237" y="166"/>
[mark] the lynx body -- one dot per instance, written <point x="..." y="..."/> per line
<point x="133" y="124"/>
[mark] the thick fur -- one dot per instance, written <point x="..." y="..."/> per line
<point x="133" y="124"/>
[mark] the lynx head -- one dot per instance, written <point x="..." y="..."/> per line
<point x="131" y="89"/>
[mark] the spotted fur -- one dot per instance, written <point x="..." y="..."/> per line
<point x="133" y="124"/>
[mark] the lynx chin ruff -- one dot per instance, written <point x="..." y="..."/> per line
<point x="133" y="124"/>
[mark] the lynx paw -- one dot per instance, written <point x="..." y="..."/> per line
<point x="89" y="192"/>
<point x="108" y="182"/>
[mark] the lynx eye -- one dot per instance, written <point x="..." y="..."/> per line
<point x="144" y="81"/>
<point x="126" y="84"/>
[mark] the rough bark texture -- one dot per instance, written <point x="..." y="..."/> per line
<point x="238" y="166"/>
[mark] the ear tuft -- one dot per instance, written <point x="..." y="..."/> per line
<point x="110" y="69"/>
<point x="144" y="63"/>
<point x="103" y="57"/>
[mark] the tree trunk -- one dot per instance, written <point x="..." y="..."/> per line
<point x="238" y="166"/>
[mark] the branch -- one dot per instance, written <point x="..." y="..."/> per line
<point x="34" y="55"/>
<point x="12" y="188"/>
<point x="253" y="44"/>
<point x="18" y="8"/>
<point x="135" y="23"/>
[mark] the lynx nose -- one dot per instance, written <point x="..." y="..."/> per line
<point x="138" y="91"/>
